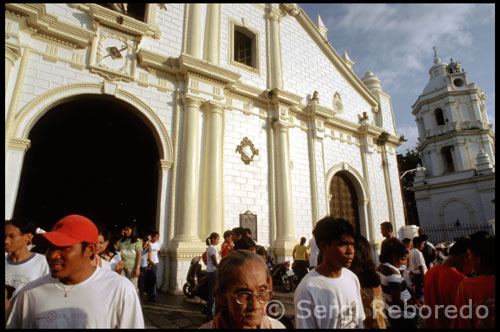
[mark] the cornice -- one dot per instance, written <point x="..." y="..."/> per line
<point x="421" y="101"/>
<point x="155" y="61"/>
<point x="456" y="133"/>
<point x="474" y="179"/>
<point x="38" y="19"/>
<point x="280" y="96"/>
<point x="188" y="64"/>
<point x="336" y="60"/>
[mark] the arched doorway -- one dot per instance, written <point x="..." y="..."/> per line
<point x="93" y="156"/>
<point x="344" y="201"/>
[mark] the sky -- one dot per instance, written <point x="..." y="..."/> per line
<point x="395" y="42"/>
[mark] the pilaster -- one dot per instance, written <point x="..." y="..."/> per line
<point x="12" y="54"/>
<point x="274" y="18"/>
<point x="187" y="216"/>
<point x="212" y="36"/>
<point x="194" y="28"/>
<point x="286" y="226"/>
<point x="212" y="193"/>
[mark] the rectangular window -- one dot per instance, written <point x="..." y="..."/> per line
<point x="242" y="48"/>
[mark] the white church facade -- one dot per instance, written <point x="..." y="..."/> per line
<point x="457" y="145"/>
<point x="252" y="111"/>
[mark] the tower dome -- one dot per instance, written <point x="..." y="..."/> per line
<point x="372" y="82"/>
<point x="438" y="77"/>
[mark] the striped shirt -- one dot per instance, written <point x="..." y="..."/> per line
<point x="391" y="278"/>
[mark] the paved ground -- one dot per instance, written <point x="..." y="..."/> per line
<point x="179" y="312"/>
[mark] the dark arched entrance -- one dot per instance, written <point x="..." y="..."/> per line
<point x="344" y="201"/>
<point x="92" y="156"/>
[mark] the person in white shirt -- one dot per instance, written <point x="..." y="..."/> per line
<point x="21" y="265"/>
<point x="211" y="272"/>
<point x="330" y="295"/>
<point x="417" y="267"/>
<point x="153" y="249"/>
<point x="75" y="294"/>
<point x="313" y="254"/>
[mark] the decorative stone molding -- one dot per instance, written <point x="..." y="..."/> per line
<point x="18" y="144"/>
<point x="122" y="22"/>
<point x="337" y="103"/>
<point x="291" y="9"/>
<point x="165" y="164"/>
<point x="38" y="19"/>
<point x="247" y="150"/>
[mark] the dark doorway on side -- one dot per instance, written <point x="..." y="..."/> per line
<point x="92" y="156"/>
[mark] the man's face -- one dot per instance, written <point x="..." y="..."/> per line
<point x="155" y="238"/>
<point x="421" y="246"/>
<point x="14" y="239"/>
<point x="67" y="263"/>
<point x="385" y="232"/>
<point x="339" y="253"/>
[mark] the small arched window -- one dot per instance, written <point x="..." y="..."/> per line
<point x="439" y="117"/>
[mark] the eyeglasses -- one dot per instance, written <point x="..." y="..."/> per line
<point x="244" y="297"/>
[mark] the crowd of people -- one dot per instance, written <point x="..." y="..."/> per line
<point x="79" y="275"/>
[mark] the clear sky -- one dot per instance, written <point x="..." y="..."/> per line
<point x="394" y="41"/>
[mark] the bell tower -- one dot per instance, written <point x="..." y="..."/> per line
<point x="454" y="138"/>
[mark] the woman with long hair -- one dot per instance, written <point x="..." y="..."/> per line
<point x="363" y="267"/>
<point x="130" y="248"/>
<point x="211" y="272"/>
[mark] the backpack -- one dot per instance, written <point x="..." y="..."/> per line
<point x="204" y="257"/>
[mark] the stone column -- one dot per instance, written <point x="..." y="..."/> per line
<point x="11" y="56"/>
<point x="212" y="34"/>
<point x="212" y="198"/>
<point x="187" y="216"/>
<point x="284" y="208"/>
<point x="275" y="51"/>
<point x="194" y="36"/>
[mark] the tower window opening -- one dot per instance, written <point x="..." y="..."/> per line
<point x="439" y="117"/>
<point x="447" y="153"/>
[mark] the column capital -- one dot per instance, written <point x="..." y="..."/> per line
<point x="214" y="107"/>
<point x="12" y="53"/>
<point x="165" y="164"/>
<point x="190" y="100"/>
<point x="274" y="15"/>
<point x="18" y="144"/>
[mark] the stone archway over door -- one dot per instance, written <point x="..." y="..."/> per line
<point x="344" y="201"/>
<point x="92" y="155"/>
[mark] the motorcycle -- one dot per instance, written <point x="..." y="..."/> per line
<point x="196" y="283"/>
<point x="282" y="275"/>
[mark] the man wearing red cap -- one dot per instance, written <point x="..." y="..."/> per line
<point x="75" y="294"/>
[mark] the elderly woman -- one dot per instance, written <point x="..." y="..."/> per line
<point x="242" y="292"/>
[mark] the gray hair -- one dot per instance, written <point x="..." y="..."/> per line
<point x="229" y="263"/>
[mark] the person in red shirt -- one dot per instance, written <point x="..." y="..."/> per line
<point x="228" y="245"/>
<point x="441" y="283"/>
<point x="478" y="293"/>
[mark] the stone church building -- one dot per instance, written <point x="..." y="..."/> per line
<point x="457" y="144"/>
<point x="243" y="113"/>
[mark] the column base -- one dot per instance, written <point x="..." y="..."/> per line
<point x="283" y="248"/>
<point x="180" y="256"/>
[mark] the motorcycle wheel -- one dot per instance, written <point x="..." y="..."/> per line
<point x="186" y="289"/>
<point x="286" y="282"/>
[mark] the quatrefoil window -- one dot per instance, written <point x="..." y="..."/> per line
<point x="247" y="150"/>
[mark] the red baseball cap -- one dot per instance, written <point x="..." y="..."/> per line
<point x="71" y="230"/>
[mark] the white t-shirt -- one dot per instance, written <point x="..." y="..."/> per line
<point x="210" y="264"/>
<point x="104" y="300"/>
<point x="313" y="252"/>
<point x="155" y="248"/>
<point x="326" y="303"/>
<point x="114" y="261"/>
<point x="416" y="259"/>
<point x="19" y="274"/>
